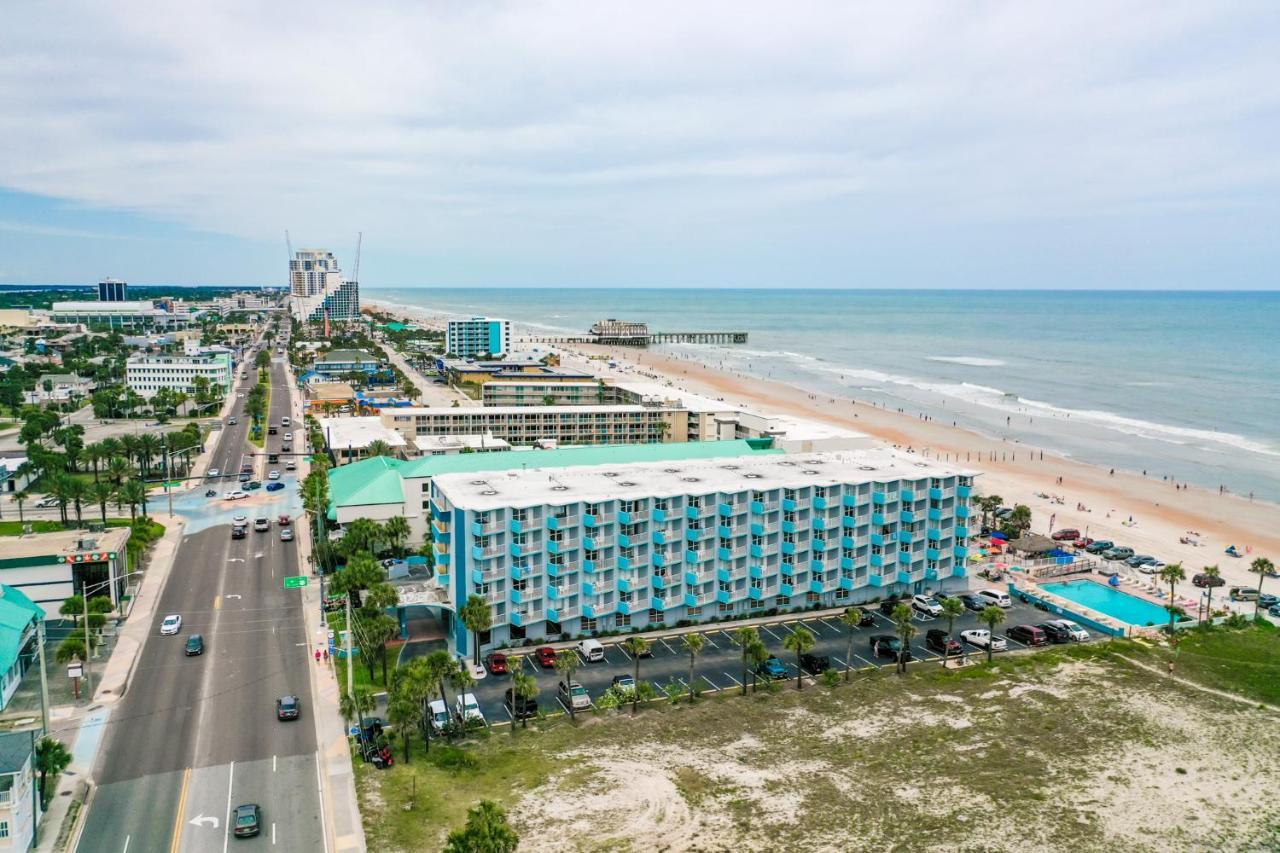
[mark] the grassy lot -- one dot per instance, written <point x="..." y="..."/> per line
<point x="360" y="675"/>
<point x="1071" y="748"/>
<point x="14" y="527"/>
<point x="1245" y="662"/>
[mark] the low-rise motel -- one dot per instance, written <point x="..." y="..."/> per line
<point x="590" y="539"/>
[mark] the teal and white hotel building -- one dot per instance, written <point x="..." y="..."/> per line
<point x="478" y="336"/>
<point x="590" y="548"/>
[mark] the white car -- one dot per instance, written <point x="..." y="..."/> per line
<point x="240" y="520"/>
<point x="47" y="501"/>
<point x="234" y="495"/>
<point x="286" y="534"/>
<point x="273" y="475"/>
<point x="172" y="624"/>
<point x="1074" y="631"/>
<point x="439" y="716"/>
<point x="214" y="473"/>
<point x="288" y="436"/>
<point x="232" y="421"/>
<point x="926" y="604"/>
<point x="1151" y="568"/>
<point x="982" y="638"/>
<point x="467" y="708"/>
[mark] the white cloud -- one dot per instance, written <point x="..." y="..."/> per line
<point x="552" y="126"/>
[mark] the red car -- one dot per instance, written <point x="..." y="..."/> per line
<point x="1069" y="534"/>
<point x="284" y="521"/>
<point x="1083" y="543"/>
<point x="496" y="662"/>
<point x="546" y="657"/>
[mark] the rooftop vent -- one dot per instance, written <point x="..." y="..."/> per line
<point x="489" y="492"/>
<point x="809" y="471"/>
<point x="609" y="474"/>
<point x="672" y="470"/>
<point x="478" y="482"/>
<point x="866" y="467"/>
<point x="625" y="483"/>
<point x="559" y="488"/>
<point x="690" y="479"/>
<point x="731" y="467"/>
<point x="752" y="476"/>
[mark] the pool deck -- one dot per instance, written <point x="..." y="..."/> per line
<point x="1146" y="592"/>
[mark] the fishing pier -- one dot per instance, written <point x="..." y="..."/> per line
<point x="619" y="333"/>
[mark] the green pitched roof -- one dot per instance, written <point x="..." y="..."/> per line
<point x="16" y="613"/>
<point x="377" y="480"/>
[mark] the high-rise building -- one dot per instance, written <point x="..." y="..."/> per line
<point x="479" y="336"/>
<point x="317" y="291"/>
<point x="113" y="290"/>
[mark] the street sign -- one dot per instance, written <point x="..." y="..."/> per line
<point x="295" y="581"/>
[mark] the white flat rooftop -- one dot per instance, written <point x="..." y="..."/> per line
<point x="476" y="441"/>
<point x="536" y="487"/>
<point x="443" y="411"/>
<point x="357" y="433"/>
<point x="105" y="307"/>
<point x="687" y="400"/>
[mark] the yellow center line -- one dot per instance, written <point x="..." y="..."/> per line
<point x="217" y="602"/>
<point x="182" y="807"/>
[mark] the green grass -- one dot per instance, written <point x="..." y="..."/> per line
<point x="1244" y="661"/>
<point x="360" y="673"/>
<point x="14" y="528"/>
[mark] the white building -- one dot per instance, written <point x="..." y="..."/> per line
<point x="62" y="387"/>
<point x="147" y="374"/>
<point x="349" y="438"/>
<point x="19" y="801"/>
<point x="119" y="315"/>
<point x="317" y="290"/>
<point x="478" y="336"/>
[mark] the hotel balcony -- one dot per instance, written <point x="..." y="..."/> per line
<point x="819" y="524"/>
<point x="787" y="569"/>
<point x="848" y="542"/>
<point x="624" y="541"/>
<point x="935" y="514"/>
<point x="755" y="593"/>
<point x="816" y="586"/>
<point x="658" y="604"/>
<point x="904" y="536"/>
<point x="725" y="531"/>
<point x="625" y="585"/>
<point x="788" y="548"/>
<point x="589" y="520"/>
<point x="693" y="513"/>
<point x="757" y="551"/>
<point x="906" y="495"/>
<point x="763" y="529"/>
<point x="691" y="578"/>
<point x="690" y="600"/>
<point x="517" y="526"/>
<point x="877" y="518"/>
<point x="660" y="516"/>
<point x="658" y="581"/>
<point x="589" y="566"/>
<point x="964" y="491"/>
<point x="722" y="596"/>
<point x="788" y="505"/>
<point x="659" y="560"/>
<point x="588" y="588"/>
<point x="879" y="498"/>
<point x="635" y="517"/>
<point x="478" y="529"/>
<point x="906" y="516"/>
<point x="755" y="572"/>
<point x="788" y="527"/>
<point x="724" y="575"/>
<point x="877" y="560"/>
<point x="786" y="590"/>
<point x="846" y="563"/>
<point x="485" y="553"/>
<point x="904" y="576"/>
<point x="821" y="503"/>
<point x="725" y="510"/>
<point x="962" y="511"/>
<point x="962" y="533"/>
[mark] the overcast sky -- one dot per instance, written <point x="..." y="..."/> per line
<point x="998" y="144"/>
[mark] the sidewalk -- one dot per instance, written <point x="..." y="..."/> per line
<point x="338" y="780"/>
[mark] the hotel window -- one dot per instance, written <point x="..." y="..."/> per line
<point x="588" y="624"/>
<point x="623" y="620"/>
<point x="842" y="594"/>
<point x="655" y="617"/>
<point x="757" y="540"/>
<point x="591" y="555"/>
<point x="660" y="503"/>
<point x="4" y="829"/>
<point x="847" y="553"/>
<point x="789" y="516"/>
<point x="695" y="501"/>
<point x="624" y="597"/>
<point x="726" y="543"/>
<point x="789" y="494"/>
<point x="757" y="583"/>
<point x="789" y="537"/>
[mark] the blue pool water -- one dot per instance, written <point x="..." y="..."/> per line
<point x="1104" y="599"/>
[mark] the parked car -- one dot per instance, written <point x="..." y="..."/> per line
<point x="172" y="624"/>
<point x="496" y="663"/>
<point x="1138" y="560"/>
<point x="591" y="650"/>
<point x="925" y="604"/>
<point x="888" y="646"/>
<point x="982" y="638"/>
<point x="998" y="597"/>
<point x="940" y="641"/>
<point x="1082" y="542"/>
<point x="195" y="645"/>
<point x="624" y="684"/>
<point x="438" y="717"/>
<point x="886" y="606"/>
<point x="573" y="695"/>
<point x="1100" y="545"/>
<point x="253" y="485"/>
<point x="273" y="475"/>
<point x="1243" y="593"/>
<point x="865" y="617"/>
<point x="771" y="668"/>
<point x="248" y="820"/>
<point x="1074" y="632"/>
<point x="288" y="708"/>
<point x="467" y="708"/>
<point x="1274" y="610"/>
<point x="1121" y="553"/>
<point x="1153" y="567"/>
<point x="519" y="707"/>
<point x="1028" y="635"/>
<point x="546" y="657"/>
<point x="973" y="601"/>
<point x="1202" y="580"/>
<point x="1266" y="601"/>
<point x="1055" y="631"/>
<point x="1066" y="534"/>
<point x="814" y="664"/>
<point x="235" y="495"/>
<point x="274" y="487"/>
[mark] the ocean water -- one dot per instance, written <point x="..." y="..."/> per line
<point x="1185" y="385"/>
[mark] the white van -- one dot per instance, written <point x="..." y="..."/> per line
<point x="439" y="716"/>
<point x="591" y="650"/>
<point x="996" y="597"/>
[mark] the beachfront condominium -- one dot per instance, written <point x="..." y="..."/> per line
<point x="317" y="290"/>
<point x="478" y="336"/>
<point x="113" y="290"/>
<point x="528" y="425"/>
<point x="604" y="547"/>
<point x="147" y="374"/>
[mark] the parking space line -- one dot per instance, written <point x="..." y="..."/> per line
<point x="714" y="686"/>
<point x="734" y="680"/>
<point x="624" y="652"/>
<point x="833" y="626"/>
<point x="786" y="627"/>
<point x="665" y="646"/>
<point x="864" y="660"/>
<point x="841" y="663"/>
<point x="765" y="628"/>
<point x="710" y="642"/>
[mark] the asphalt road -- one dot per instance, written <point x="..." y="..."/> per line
<point x="719" y="664"/>
<point x="196" y="736"/>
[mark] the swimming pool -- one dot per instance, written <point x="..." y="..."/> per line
<point x="1114" y="603"/>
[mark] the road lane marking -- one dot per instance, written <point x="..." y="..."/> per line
<point x="273" y="832"/>
<point x="273" y="764"/>
<point x="182" y="807"/>
<point x="217" y="603"/>
<point x="231" y="775"/>
<point x="126" y="844"/>
<point x="324" y="830"/>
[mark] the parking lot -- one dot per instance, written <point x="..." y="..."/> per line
<point x="719" y="664"/>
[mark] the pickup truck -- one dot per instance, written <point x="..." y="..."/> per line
<point x="815" y="664"/>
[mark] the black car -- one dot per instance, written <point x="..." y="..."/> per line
<point x="815" y="664"/>
<point x="519" y="707"/>
<point x="1266" y="601"/>
<point x="940" y="641"/>
<point x="237" y="532"/>
<point x="195" y="645"/>
<point x="886" y="606"/>
<point x="888" y="646"/>
<point x="1202" y="580"/>
<point x="1055" y="632"/>
<point x="973" y="602"/>
<point x="865" y="618"/>
<point x="288" y="708"/>
<point x="247" y="820"/>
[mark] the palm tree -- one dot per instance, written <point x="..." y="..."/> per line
<point x="477" y="617"/>
<point x="952" y="607"/>
<point x="353" y="706"/>
<point x="991" y="616"/>
<point x="1172" y="574"/>
<point x="566" y="664"/>
<point x="743" y="638"/>
<point x="693" y="644"/>
<point x="524" y="686"/>
<point x="378" y="447"/>
<point x="1212" y="573"/>
<point x="404" y="713"/>
<point x="1262" y="567"/>
<point x="906" y="630"/>
<point x="51" y="759"/>
<point x="73" y="606"/>
<point x="1020" y="519"/>
<point x="133" y="493"/>
<point x="76" y="493"/>
<point x="396" y="529"/>
<point x="93" y="454"/>
<point x="988" y="504"/>
<point x="20" y="497"/>
<point x="800" y="641"/>
<point x="461" y="680"/>
<point x="757" y="653"/>
<point x="58" y="489"/>
<point x="851" y="619"/>
<point x="637" y="647"/>
<point x="118" y="470"/>
<point x="438" y="668"/>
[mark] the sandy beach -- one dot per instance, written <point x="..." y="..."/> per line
<point x="1054" y="487"/>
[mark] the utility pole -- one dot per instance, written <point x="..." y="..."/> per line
<point x="88" y="643"/>
<point x="347" y="643"/>
<point x="44" y="678"/>
<point x="168" y="490"/>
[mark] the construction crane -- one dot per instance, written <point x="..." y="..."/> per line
<point x="355" y="270"/>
